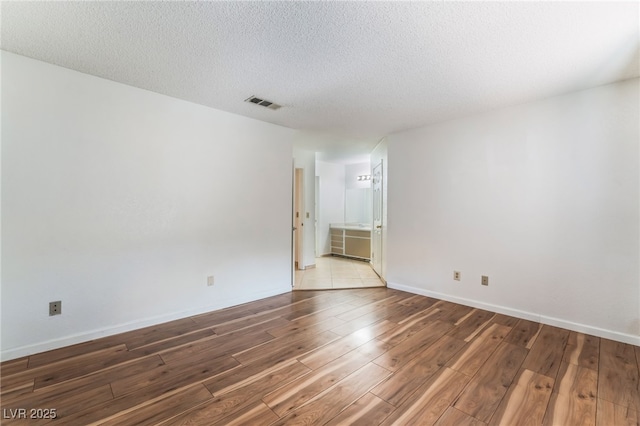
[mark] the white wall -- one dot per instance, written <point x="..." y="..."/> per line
<point x="380" y="155"/>
<point x="543" y="198"/>
<point x="120" y="202"/>
<point x="305" y="159"/>
<point x="332" y="188"/>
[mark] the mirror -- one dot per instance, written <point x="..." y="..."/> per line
<point x="358" y="205"/>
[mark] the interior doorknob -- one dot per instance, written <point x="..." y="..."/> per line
<point x="379" y="226"/>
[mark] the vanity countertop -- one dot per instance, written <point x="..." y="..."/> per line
<point x="351" y="226"/>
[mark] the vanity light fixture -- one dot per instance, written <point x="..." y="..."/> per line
<point x="364" y="177"/>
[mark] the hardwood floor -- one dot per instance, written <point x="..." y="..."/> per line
<point x="337" y="357"/>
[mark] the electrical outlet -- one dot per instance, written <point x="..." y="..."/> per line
<point x="55" y="308"/>
<point x="485" y="280"/>
<point x="456" y="275"/>
<point x="210" y="280"/>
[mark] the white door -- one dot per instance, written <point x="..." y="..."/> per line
<point x="376" y="234"/>
<point x="317" y="207"/>
<point x="298" y="221"/>
<point x="293" y="225"/>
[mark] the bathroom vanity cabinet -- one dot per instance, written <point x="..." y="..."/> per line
<point x="351" y="241"/>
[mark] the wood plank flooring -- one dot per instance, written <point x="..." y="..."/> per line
<point x="338" y="357"/>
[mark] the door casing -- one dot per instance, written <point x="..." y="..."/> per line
<point x="376" y="232"/>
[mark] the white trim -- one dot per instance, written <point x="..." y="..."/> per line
<point x="556" y="322"/>
<point x="27" y="350"/>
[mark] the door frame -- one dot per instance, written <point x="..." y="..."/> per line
<point x="298" y="218"/>
<point x="377" y="219"/>
<point x="293" y="223"/>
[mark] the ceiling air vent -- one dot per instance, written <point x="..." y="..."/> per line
<point x="262" y="102"/>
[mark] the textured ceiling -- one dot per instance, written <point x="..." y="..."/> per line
<point x="355" y="70"/>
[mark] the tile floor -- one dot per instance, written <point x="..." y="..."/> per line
<point x="337" y="272"/>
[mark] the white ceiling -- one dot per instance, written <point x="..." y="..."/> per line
<point x="353" y="70"/>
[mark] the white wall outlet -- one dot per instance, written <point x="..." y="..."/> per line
<point x="210" y="280"/>
<point x="485" y="280"/>
<point x="456" y="275"/>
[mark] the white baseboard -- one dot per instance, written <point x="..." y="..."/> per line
<point x="556" y="322"/>
<point x="27" y="350"/>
